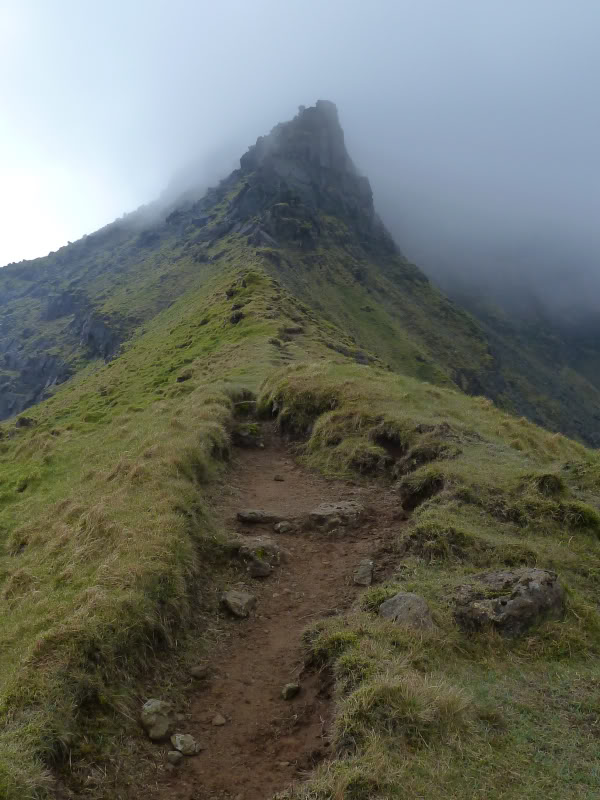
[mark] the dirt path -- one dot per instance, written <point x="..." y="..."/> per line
<point x="268" y="743"/>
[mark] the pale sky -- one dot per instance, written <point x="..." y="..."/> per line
<point x="469" y="116"/>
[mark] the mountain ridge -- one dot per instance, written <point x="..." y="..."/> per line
<point x="267" y="305"/>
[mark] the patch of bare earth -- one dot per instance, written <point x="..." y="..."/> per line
<point x="268" y="743"/>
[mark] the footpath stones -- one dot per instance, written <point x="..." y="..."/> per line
<point x="157" y="719"/>
<point x="238" y="603"/>
<point x="363" y="574"/>
<point x="290" y="690"/>
<point x="329" y="516"/>
<point x="256" y="516"/>
<point x="185" y="744"/>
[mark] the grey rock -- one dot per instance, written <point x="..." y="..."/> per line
<point x="238" y="603"/>
<point x="278" y="478"/>
<point x="256" y="516"/>
<point x="174" y="757"/>
<point x="363" y="575"/>
<point x="157" y="719"/>
<point x="408" y="609"/>
<point x="284" y="527"/>
<point x="218" y="720"/>
<point x="186" y="744"/>
<point x="327" y="516"/>
<point x="200" y="671"/>
<point x="258" y="568"/>
<point x="290" y="690"/>
<point x="261" y="548"/>
<point x="509" y="601"/>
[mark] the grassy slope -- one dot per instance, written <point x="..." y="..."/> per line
<point x="444" y="714"/>
<point x="103" y="523"/>
<point x="104" y="527"/>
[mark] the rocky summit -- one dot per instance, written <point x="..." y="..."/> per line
<point x="276" y="516"/>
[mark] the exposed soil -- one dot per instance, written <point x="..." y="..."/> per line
<point x="269" y="743"/>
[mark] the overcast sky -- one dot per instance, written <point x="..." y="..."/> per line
<point x="473" y="118"/>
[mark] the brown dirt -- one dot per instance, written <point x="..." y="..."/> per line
<point x="268" y="743"/>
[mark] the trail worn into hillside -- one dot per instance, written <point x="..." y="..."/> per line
<point x="267" y="743"/>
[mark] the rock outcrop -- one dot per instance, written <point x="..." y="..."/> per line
<point x="510" y="602"/>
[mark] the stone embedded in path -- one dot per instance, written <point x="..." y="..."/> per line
<point x="238" y="603"/>
<point x="261" y="554"/>
<point x="256" y="516"/>
<point x="327" y="516"/>
<point x="218" y="720"/>
<point x="509" y="601"/>
<point x="278" y="478"/>
<point x="200" y="671"/>
<point x="363" y="575"/>
<point x="406" y="608"/>
<point x="284" y="527"/>
<point x="174" y="757"/>
<point x="186" y="744"/>
<point x="157" y="719"/>
<point x="290" y="690"/>
<point x="258" y="568"/>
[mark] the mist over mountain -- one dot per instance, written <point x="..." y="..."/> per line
<point x="475" y="122"/>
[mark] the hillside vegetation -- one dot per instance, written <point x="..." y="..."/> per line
<point x="444" y="713"/>
<point x="279" y="294"/>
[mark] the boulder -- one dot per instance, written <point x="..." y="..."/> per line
<point x="238" y="603"/>
<point x="157" y="719"/>
<point x="363" y="574"/>
<point x="509" y="601"/>
<point x="256" y="516"/>
<point x="408" y="609"/>
<point x="174" y="757"/>
<point x="185" y="744"/>
<point x="327" y="516"/>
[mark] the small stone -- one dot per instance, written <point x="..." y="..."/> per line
<point x="174" y="757"/>
<point x="258" y="568"/>
<point x="238" y="603"/>
<point x="363" y="575"/>
<point x="157" y="719"/>
<point x="278" y="478"/>
<point x="284" y="527"/>
<point x="283" y="763"/>
<point x="200" y="671"/>
<point x="256" y="516"/>
<point x="290" y="690"/>
<point x="186" y="744"/>
<point x="218" y="720"/>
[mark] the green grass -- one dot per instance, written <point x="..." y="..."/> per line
<point x="442" y="713"/>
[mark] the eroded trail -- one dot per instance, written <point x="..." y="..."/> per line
<point x="266" y="743"/>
